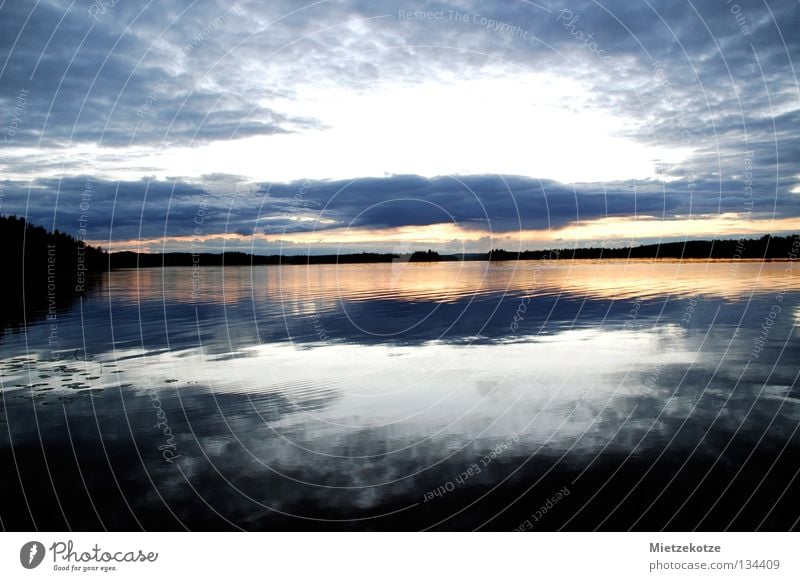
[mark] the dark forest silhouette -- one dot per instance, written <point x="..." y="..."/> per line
<point x="767" y="247"/>
<point x="33" y="249"/>
<point x="44" y="272"/>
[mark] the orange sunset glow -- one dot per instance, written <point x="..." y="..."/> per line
<point x="582" y="233"/>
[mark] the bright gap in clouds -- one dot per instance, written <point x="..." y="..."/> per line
<point x="452" y="238"/>
<point x="537" y="125"/>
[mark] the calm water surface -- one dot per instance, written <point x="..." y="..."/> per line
<point x="616" y="395"/>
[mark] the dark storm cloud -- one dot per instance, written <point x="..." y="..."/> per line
<point x="507" y="204"/>
<point x="151" y="209"/>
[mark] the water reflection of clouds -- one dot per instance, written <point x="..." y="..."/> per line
<point x="371" y="446"/>
<point x="347" y="430"/>
<point x="268" y="416"/>
<point x="538" y="387"/>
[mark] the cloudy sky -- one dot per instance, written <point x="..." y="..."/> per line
<point x="339" y="126"/>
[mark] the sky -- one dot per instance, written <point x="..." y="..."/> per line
<point x="349" y="126"/>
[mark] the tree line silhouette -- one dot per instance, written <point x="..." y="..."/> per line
<point x="44" y="271"/>
<point x="767" y="247"/>
<point x="38" y="253"/>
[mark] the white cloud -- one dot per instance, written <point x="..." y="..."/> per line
<point x="538" y="125"/>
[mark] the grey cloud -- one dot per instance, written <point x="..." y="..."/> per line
<point x="150" y="209"/>
<point x="95" y="81"/>
<point x="194" y="72"/>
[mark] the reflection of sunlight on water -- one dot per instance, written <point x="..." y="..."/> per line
<point x="323" y="285"/>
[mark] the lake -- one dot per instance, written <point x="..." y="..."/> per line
<point x="531" y="395"/>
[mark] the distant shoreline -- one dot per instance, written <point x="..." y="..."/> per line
<point x="32" y="252"/>
<point x="563" y="260"/>
<point x="766" y="248"/>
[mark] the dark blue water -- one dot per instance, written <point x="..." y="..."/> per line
<point x="532" y="395"/>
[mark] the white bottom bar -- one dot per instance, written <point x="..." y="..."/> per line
<point x="382" y="556"/>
